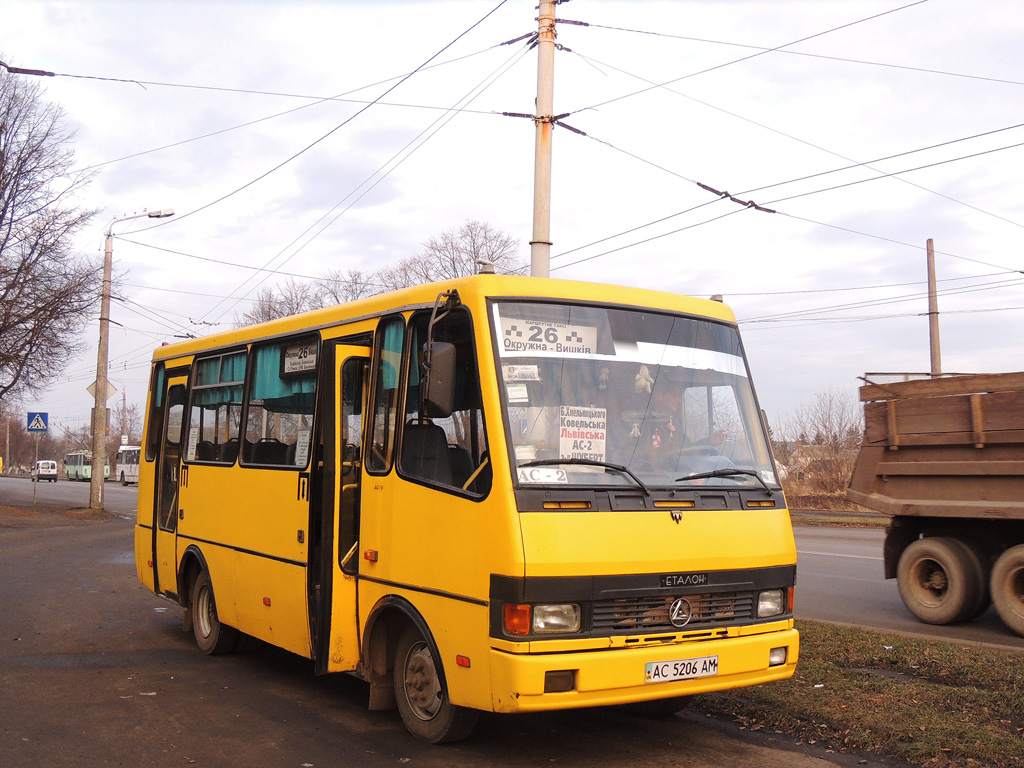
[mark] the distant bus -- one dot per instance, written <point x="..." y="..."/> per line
<point x="127" y="467"/>
<point x="78" y="466"/>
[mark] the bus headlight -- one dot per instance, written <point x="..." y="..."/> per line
<point x="549" y="619"/>
<point x="771" y="602"/>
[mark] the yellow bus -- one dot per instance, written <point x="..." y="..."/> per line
<point x="499" y="494"/>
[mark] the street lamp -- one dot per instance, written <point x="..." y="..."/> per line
<point x="99" y="411"/>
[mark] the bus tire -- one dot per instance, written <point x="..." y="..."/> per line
<point x="939" y="580"/>
<point x="421" y="695"/>
<point x="212" y="637"/>
<point x="1008" y="588"/>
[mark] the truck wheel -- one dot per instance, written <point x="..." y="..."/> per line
<point x="422" y="698"/>
<point x="939" y="580"/>
<point x="984" y="569"/>
<point x="1008" y="588"/>
<point x="212" y="637"/>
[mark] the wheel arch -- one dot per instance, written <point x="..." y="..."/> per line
<point x="388" y="618"/>
<point x="192" y="564"/>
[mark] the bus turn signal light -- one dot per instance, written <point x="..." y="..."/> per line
<point x="517" y="619"/>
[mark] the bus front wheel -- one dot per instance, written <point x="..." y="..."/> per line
<point x="422" y="698"/>
<point x="212" y="637"/>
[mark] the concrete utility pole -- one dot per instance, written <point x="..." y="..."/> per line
<point x="933" y="312"/>
<point x="540" y="244"/>
<point x="99" y="411"/>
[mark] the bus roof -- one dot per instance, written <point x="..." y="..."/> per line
<point x="471" y="289"/>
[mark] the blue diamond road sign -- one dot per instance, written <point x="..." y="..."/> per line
<point x="37" y="421"/>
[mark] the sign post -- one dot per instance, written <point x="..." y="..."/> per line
<point x="37" y="423"/>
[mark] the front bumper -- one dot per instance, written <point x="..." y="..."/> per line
<point x="616" y="676"/>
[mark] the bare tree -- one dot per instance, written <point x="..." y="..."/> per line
<point x="457" y="252"/>
<point x="337" y="287"/>
<point x="46" y="290"/>
<point x="130" y="419"/>
<point x="272" y="301"/>
<point x="826" y="434"/>
<point x="125" y="420"/>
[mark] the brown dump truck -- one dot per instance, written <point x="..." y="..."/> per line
<point x="944" y="458"/>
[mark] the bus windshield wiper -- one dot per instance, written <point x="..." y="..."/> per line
<point x="590" y="463"/>
<point x="728" y="472"/>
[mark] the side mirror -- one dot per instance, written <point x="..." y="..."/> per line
<point x="438" y="379"/>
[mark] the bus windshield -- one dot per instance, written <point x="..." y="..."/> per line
<point x="607" y="396"/>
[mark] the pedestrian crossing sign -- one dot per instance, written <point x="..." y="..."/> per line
<point x="37" y="421"/>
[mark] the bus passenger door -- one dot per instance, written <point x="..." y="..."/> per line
<point x="351" y="378"/>
<point x="167" y="480"/>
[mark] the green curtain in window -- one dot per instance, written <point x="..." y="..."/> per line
<point x="291" y="394"/>
<point x="391" y="358"/>
<point x="214" y="396"/>
<point x="232" y="368"/>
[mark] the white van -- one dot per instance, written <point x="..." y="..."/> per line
<point x="44" y="470"/>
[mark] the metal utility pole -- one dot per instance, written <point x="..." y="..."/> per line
<point x="540" y="244"/>
<point x="933" y="312"/>
<point x="99" y="411"/>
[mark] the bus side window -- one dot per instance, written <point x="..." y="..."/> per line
<point x="154" y="429"/>
<point x="448" y="450"/>
<point x="383" y="428"/>
<point x="216" y="412"/>
<point x="282" y="396"/>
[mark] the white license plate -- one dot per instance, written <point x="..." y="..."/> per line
<point x="680" y="669"/>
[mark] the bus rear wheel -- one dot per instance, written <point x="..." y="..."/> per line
<point x="212" y="637"/>
<point x="422" y="698"/>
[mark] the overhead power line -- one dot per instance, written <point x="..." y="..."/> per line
<point x="905" y="170"/>
<point x="751" y="204"/>
<point x="883" y="301"/>
<point x="787" y="52"/>
<point x="314" y="101"/>
<point x="331" y="132"/>
<point x="855" y="163"/>
<point x="396" y="160"/>
<point x="849" y="288"/>
<point x="761" y="52"/>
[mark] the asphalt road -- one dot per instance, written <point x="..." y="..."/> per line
<point x="95" y="670"/>
<point x="839" y="572"/>
<point x="840" y="578"/>
<point x="119" y="499"/>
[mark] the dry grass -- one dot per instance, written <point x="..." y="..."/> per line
<point x="926" y="702"/>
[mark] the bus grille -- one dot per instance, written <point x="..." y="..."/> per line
<point x="633" y="614"/>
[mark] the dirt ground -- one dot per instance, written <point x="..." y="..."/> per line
<point x="49" y="517"/>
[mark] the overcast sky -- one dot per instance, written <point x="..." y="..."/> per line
<point x="219" y="110"/>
